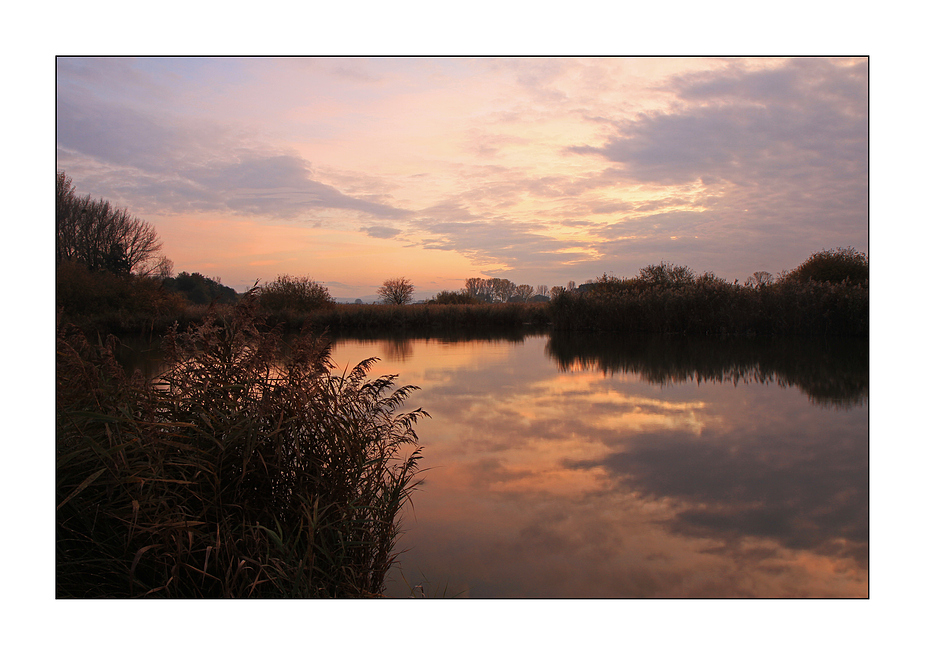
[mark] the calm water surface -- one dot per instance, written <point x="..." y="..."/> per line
<point x="612" y="467"/>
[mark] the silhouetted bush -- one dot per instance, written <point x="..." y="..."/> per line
<point x="200" y="290"/>
<point x="294" y="294"/>
<point x="111" y="302"/>
<point x="665" y="273"/>
<point x="709" y="305"/>
<point x="454" y="298"/>
<point x="835" y="266"/>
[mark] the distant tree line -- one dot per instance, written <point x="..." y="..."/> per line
<point x="494" y="290"/>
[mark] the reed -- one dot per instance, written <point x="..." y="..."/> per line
<point x="250" y="469"/>
<point x="338" y="318"/>
<point x="711" y="306"/>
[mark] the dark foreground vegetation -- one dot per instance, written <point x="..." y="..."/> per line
<point x="667" y="299"/>
<point x="248" y="470"/>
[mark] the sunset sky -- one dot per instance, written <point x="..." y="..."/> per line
<point x="540" y="170"/>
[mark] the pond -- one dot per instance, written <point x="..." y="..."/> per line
<point x="603" y="466"/>
<point x="607" y="466"/>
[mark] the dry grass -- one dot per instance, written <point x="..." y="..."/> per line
<point x="711" y="306"/>
<point x="250" y="470"/>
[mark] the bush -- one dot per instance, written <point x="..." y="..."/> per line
<point x="294" y="294"/>
<point x="107" y="301"/>
<point x="200" y="290"/>
<point x="454" y="298"/>
<point x="835" y="266"/>
<point x="249" y="470"/>
<point x="666" y="273"/>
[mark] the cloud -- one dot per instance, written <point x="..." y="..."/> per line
<point x="754" y="486"/>
<point x="492" y="240"/>
<point x="773" y="161"/>
<point x="593" y="165"/>
<point x="381" y="232"/>
<point x="172" y="165"/>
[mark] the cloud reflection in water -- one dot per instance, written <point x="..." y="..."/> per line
<point x="552" y="480"/>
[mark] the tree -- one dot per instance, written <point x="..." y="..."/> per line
<point x="163" y="268"/>
<point x="759" y="279"/>
<point x="835" y="266"/>
<point x="502" y="289"/>
<point x="478" y="288"/>
<point x="98" y="235"/>
<point x="522" y="293"/>
<point x="397" y="291"/>
<point x="542" y="290"/>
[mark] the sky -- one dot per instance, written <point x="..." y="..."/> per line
<point x="482" y="27"/>
<point x="541" y="170"/>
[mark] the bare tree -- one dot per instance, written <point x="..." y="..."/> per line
<point x="99" y="235"/>
<point x="161" y="268"/>
<point x="759" y="279"/>
<point x="542" y="290"/>
<point x="478" y="287"/>
<point x="397" y="291"/>
<point x="523" y="292"/>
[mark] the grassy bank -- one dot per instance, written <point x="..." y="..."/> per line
<point x="252" y="470"/>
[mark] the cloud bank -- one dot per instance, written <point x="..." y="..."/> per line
<point x="544" y="170"/>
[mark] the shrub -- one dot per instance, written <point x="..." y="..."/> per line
<point x="454" y="298"/>
<point x="294" y="294"/>
<point x="200" y="290"/>
<point x="666" y="273"/>
<point x="249" y="470"/>
<point x="835" y="266"/>
<point x="105" y="300"/>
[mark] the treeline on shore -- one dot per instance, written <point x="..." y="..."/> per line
<point x="826" y="295"/>
<point x="112" y="278"/>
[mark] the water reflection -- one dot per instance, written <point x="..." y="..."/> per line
<point x="832" y="372"/>
<point x="568" y="469"/>
<point x="630" y="467"/>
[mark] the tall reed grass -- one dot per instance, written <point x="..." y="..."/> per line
<point x="711" y="306"/>
<point x="417" y="317"/>
<point x="250" y="469"/>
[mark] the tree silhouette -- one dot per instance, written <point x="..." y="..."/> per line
<point x="98" y="235"/>
<point x="397" y="291"/>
